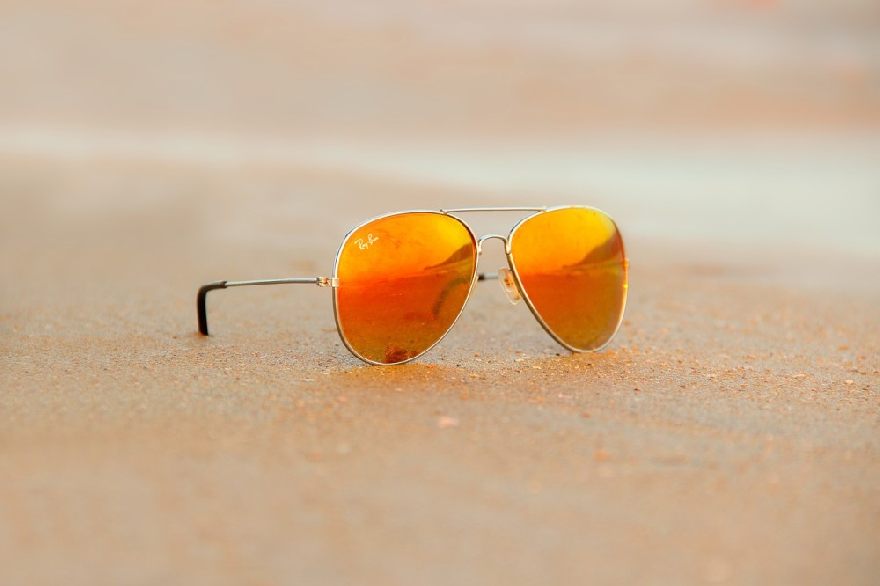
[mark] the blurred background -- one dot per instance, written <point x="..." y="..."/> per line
<point x="147" y="148"/>
<point x="748" y="123"/>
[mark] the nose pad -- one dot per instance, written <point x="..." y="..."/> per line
<point x="508" y="283"/>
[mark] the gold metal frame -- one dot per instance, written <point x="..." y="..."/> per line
<point x="333" y="282"/>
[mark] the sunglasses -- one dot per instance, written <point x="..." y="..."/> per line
<point x="402" y="280"/>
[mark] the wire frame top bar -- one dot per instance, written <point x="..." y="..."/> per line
<point x="491" y="209"/>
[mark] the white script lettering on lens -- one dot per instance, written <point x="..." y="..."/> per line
<point x="365" y="243"/>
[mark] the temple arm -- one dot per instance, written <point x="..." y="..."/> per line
<point x="201" y="297"/>
<point x="204" y="289"/>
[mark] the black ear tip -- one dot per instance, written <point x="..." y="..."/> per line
<point x="200" y="304"/>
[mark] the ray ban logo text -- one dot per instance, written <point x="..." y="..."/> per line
<point x="365" y="243"/>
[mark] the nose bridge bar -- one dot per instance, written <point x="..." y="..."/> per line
<point x="483" y="239"/>
<point x="492" y="237"/>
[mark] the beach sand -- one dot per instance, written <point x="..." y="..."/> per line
<point x="729" y="434"/>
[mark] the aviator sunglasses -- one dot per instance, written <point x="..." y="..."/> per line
<point x="402" y="280"/>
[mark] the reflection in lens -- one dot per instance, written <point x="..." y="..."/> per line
<point x="403" y="281"/>
<point x="571" y="265"/>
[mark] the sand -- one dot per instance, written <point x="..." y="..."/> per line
<point x="729" y="434"/>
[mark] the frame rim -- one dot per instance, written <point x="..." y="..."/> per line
<point x="530" y="304"/>
<point x="345" y="240"/>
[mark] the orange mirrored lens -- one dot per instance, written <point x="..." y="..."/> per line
<point x="572" y="268"/>
<point x="403" y="281"/>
